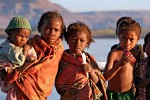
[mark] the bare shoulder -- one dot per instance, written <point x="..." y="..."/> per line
<point x="114" y="54"/>
<point x="112" y="58"/>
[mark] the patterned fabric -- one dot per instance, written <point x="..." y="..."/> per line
<point x="34" y="80"/>
<point x="129" y="95"/>
<point x="141" y="74"/>
<point x="72" y="82"/>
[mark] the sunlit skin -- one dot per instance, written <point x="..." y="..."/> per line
<point x="51" y="30"/>
<point x="128" y="40"/>
<point x="20" y="37"/>
<point x="78" y="41"/>
<point x="119" y="68"/>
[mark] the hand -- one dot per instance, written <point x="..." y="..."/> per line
<point x="88" y="68"/>
<point x="126" y="57"/>
<point x="26" y="47"/>
<point x="133" y="60"/>
<point x="32" y="58"/>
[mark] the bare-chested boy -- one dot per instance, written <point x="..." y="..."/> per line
<point x="121" y="61"/>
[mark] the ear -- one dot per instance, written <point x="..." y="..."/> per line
<point x="116" y="32"/>
<point x="138" y="37"/>
<point x="87" y="44"/>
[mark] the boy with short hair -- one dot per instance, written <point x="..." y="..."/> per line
<point x="121" y="61"/>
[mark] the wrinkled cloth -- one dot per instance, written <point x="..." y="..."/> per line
<point x="128" y="95"/>
<point x="11" y="57"/>
<point x="14" y="54"/>
<point x="72" y="82"/>
<point x="34" y="81"/>
<point x="141" y="74"/>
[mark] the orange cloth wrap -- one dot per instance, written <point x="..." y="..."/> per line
<point x="34" y="80"/>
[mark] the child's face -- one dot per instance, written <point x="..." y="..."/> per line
<point x="128" y="39"/>
<point x="51" y="30"/>
<point x="147" y="47"/>
<point x="78" y="41"/>
<point x="20" y="37"/>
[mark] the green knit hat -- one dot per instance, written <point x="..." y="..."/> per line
<point x="18" y="22"/>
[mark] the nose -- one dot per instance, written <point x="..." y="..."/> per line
<point x="128" y="41"/>
<point x="52" y="32"/>
<point x="24" y="39"/>
<point x="78" y="43"/>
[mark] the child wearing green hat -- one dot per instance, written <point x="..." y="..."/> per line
<point x="35" y="81"/>
<point x="14" y="51"/>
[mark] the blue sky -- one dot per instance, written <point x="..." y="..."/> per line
<point x="103" y="5"/>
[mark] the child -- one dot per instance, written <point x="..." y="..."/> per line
<point x="79" y="77"/>
<point x="14" y="50"/>
<point x="144" y="72"/>
<point x="36" y="80"/>
<point x="138" y="47"/>
<point x="120" y="20"/>
<point x="121" y="61"/>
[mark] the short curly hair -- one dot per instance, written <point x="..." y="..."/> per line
<point x="120" y="20"/>
<point x="129" y="25"/>
<point x="78" y="26"/>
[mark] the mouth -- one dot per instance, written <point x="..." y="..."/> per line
<point x="78" y="49"/>
<point x="51" y="39"/>
<point x="126" y="47"/>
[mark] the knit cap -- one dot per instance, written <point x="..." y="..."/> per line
<point x="18" y="22"/>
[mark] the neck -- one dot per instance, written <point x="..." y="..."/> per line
<point x="74" y="54"/>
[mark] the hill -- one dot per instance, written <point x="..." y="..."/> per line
<point x="32" y="9"/>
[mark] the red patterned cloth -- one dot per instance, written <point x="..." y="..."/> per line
<point x="34" y="80"/>
<point x="72" y="83"/>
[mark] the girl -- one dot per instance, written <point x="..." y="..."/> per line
<point x="79" y="77"/>
<point x="35" y="80"/>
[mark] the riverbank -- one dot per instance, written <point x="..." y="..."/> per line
<point x="100" y="33"/>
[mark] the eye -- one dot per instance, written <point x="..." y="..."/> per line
<point x="47" y="29"/>
<point x="56" y="30"/>
<point x="73" y="39"/>
<point x="82" y="40"/>
<point x="132" y="39"/>
<point x="19" y="35"/>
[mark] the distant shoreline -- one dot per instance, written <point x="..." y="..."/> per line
<point x="100" y="33"/>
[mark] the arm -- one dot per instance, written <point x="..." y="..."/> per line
<point x="111" y="67"/>
<point x="26" y="47"/>
<point x="94" y="77"/>
<point x="143" y="83"/>
<point x="88" y="69"/>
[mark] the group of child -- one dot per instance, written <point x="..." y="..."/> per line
<point x="29" y="68"/>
